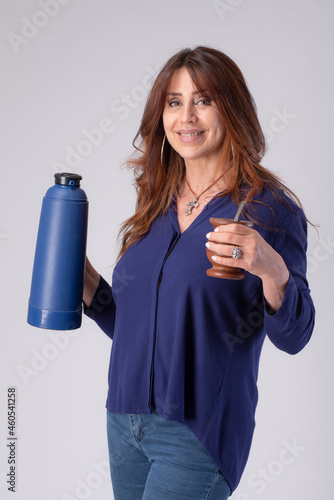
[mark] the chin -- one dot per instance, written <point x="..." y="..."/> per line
<point x="189" y="155"/>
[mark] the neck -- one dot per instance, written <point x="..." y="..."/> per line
<point x="200" y="179"/>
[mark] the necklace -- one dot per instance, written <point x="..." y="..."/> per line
<point x="194" y="203"/>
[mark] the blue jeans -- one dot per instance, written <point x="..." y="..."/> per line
<point x="155" y="459"/>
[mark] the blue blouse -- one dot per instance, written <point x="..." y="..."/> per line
<point x="188" y="345"/>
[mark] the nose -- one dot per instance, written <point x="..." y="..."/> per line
<point x="188" y="113"/>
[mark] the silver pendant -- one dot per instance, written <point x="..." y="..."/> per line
<point x="191" y="205"/>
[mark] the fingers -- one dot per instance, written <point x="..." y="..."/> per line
<point x="228" y="261"/>
<point x="226" y="237"/>
<point x="231" y="234"/>
<point x="224" y="250"/>
<point x="235" y="228"/>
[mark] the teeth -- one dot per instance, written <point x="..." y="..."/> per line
<point x="191" y="134"/>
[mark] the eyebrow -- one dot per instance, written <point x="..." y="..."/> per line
<point x="180" y="93"/>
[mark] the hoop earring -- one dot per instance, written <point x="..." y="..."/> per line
<point x="162" y="149"/>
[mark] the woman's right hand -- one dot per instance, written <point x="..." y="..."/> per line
<point x="91" y="283"/>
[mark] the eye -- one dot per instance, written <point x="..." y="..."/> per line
<point x="173" y="103"/>
<point x="205" y="101"/>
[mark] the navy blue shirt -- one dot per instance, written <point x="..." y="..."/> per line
<point x="188" y="345"/>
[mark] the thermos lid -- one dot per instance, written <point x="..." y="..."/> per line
<point x="68" y="179"/>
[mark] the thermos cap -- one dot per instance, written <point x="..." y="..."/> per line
<point x="68" y="179"/>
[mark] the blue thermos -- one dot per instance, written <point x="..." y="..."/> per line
<point x="55" y="299"/>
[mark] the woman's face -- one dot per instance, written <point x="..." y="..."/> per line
<point x="192" y="122"/>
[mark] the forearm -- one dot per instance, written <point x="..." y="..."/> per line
<point x="290" y="323"/>
<point x="102" y="308"/>
<point x="92" y="278"/>
<point x="274" y="286"/>
<point x="290" y="328"/>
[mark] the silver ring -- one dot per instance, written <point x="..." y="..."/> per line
<point x="236" y="253"/>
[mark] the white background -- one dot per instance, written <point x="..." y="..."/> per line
<point x="63" y="72"/>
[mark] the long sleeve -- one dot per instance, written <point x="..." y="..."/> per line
<point x="102" y="308"/>
<point x="290" y="328"/>
<point x="188" y="344"/>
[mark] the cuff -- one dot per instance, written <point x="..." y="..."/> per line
<point x="290" y="328"/>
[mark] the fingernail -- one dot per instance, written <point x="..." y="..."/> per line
<point x="216" y="230"/>
<point x="208" y="235"/>
<point x="207" y="245"/>
<point x="214" y="257"/>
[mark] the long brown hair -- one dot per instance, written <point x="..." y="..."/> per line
<point x="158" y="176"/>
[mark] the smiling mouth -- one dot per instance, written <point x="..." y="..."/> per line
<point x="190" y="134"/>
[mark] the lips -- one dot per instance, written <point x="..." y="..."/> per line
<point x="190" y="133"/>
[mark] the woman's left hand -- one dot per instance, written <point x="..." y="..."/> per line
<point x="257" y="257"/>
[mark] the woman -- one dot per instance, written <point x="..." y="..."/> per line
<point x="186" y="346"/>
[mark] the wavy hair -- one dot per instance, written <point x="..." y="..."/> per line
<point x="158" y="175"/>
